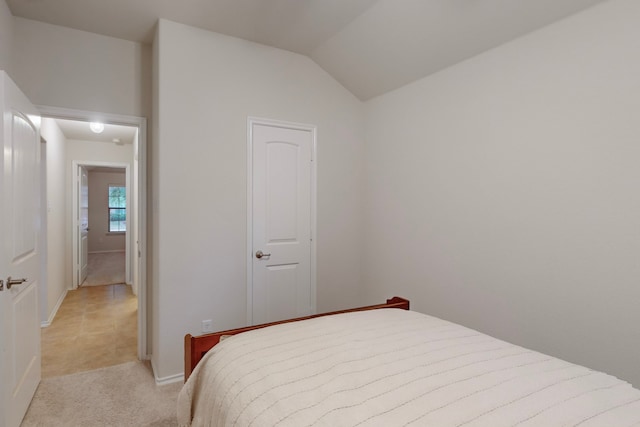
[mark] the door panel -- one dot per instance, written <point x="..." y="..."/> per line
<point x="281" y="229"/>
<point x="281" y="183"/>
<point x="19" y="253"/>
<point x="282" y="292"/>
<point x="24" y="147"/>
<point x="25" y="341"/>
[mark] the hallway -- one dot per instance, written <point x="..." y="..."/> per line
<point x="95" y="327"/>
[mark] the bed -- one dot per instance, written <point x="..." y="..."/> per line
<point x="382" y="366"/>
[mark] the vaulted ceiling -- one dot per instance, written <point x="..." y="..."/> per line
<point x="370" y="46"/>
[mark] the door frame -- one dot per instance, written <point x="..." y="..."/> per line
<point x="141" y="153"/>
<point x="314" y="175"/>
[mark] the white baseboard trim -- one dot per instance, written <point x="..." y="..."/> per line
<point x="48" y="322"/>
<point x="166" y="380"/>
<point x="108" y="252"/>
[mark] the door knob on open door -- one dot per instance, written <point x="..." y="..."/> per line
<point x="259" y="254"/>
<point x="11" y="282"/>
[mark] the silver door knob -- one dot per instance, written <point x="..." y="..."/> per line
<point x="260" y="254"/>
<point x="11" y="282"/>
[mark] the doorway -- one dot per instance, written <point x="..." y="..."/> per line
<point x="130" y="227"/>
<point x="103" y="249"/>
<point x="102" y="219"/>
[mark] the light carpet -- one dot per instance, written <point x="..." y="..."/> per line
<point x="105" y="269"/>
<point x="121" y="395"/>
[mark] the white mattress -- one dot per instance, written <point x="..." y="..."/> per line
<point x="395" y="368"/>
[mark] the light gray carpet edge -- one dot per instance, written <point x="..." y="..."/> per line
<point x="106" y="268"/>
<point x="121" y="395"/>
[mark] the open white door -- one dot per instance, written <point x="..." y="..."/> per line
<point x="83" y="223"/>
<point x="282" y="204"/>
<point x="19" y="253"/>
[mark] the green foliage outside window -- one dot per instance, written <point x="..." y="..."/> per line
<point x="117" y="208"/>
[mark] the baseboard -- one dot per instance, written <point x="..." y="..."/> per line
<point x="171" y="379"/>
<point x="108" y="252"/>
<point x="48" y="322"/>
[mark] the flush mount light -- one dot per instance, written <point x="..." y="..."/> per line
<point x="96" y="127"/>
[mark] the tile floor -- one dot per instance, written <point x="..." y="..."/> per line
<point x="95" y="327"/>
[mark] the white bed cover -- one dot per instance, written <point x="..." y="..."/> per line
<point x="394" y="367"/>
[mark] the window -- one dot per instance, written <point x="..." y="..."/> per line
<point x="117" y="208"/>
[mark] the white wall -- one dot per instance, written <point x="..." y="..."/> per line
<point x="100" y="240"/>
<point x="62" y="67"/>
<point x="207" y="85"/>
<point x="504" y="193"/>
<point x="6" y="39"/>
<point x="89" y="152"/>
<point x="56" y="193"/>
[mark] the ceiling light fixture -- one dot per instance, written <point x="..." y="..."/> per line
<point x="96" y="127"/>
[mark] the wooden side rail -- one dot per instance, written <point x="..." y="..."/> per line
<point x="195" y="347"/>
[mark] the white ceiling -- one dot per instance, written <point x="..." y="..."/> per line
<point x="370" y="46"/>
<point x="80" y="131"/>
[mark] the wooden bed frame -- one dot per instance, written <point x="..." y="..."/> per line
<point x="195" y="347"/>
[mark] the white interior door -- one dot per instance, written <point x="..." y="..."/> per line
<point x="281" y="222"/>
<point x="83" y="223"/>
<point x="19" y="254"/>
